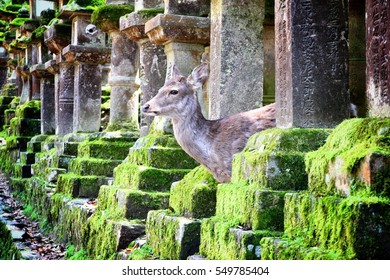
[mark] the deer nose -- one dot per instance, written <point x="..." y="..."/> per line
<point x="145" y="108"/>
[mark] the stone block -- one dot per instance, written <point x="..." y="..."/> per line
<point x="80" y="186"/>
<point x="29" y="110"/>
<point x="52" y="173"/>
<point x="129" y="175"/>
<point x="22" y="170"/>
<point x="200" y="8"/>
<point x="354" y="227"/>
<point x="35" y="144"/>
<point x="222" y="240"/>
<point x="160" y="151"/>
<point x="25" y="127"/>
<point x="104" y="150"/>
<point x="355" y="158"/>
<point x="274" y="158"/>
<point x="127" y="232"/>
<point x="17" y="142"/>
<point x="27" y="158"/>
<point x="173" y="238"/>
<point x="93" y="166"/>
<point x="195" y="195"/>
<point x="252" y="206"/>
<point x="8" y="115"/>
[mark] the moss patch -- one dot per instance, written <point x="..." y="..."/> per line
<point x="355" y="227"/>
<point x="349" y="143"/>
<point x="107" y="17"/>
<point x="8" y="250"/>
<point x="93" y="166"/>
<point x="129" y="175"/>
<point x="172" y="237"/>
<point x="221" y="239"/>
<point x="274" y="159"/>
<point x="195" y="195"/>
<point x="104" y="149"/>
<point x="252" y="206"/>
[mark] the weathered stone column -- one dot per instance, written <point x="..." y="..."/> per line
<point x="311" y="63"/>
<point x="184" y="39"/>
<point x="377" y="57"/>
<point x="35" y="81"/>
<point x="56" y="38"/>
<point x="124" y="66"/>
<point x="3" y="67"/>
<point x="153" y="65"/>
<point x="47" y="89"/>
<point x="87" y="51"/>
<point x="236" y="56"/>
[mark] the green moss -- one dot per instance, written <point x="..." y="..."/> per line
<point x="80" y="186"/>
<point x="353" y="227"/>
<point x="129" y="175"/>
<point x="93" y="166"/>
<point x="150" y="12"/>
<point x="160" y="151"/>
<point x="144" y="253"/>
<point x="222" y="239"/>
<point x="195" y="195"/>
<point x="73" y="254"/>
<point x="30" y="109"/>
<point x="350" y="142"/>
<point x="8" y="250"/>
<point x="107" y="17"/>
<point x="104" y="149"/>
<point x="254" y="207"/>
<point x="274" y="158"/>
<point x="17" y="22"/>
<point x="172" y="237"/>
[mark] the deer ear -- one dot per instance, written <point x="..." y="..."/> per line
<point x="175" y="71"/>
<point x="199" y="75"/>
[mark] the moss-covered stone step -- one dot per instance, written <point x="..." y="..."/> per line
<point x="27" y="158"/>
<point x="22" y="170"/>
<point x="8" y="249"/>
<point x="135" y="204"/>
<point x="70" y="218"/>
<point x="17" y="142"/>
<point x="35" y="144"/>
<point x="52" y="174"/>
<point x="68" y="144"/>
<point x="355" y="227"/>
<point x="80" y="186"/>
<point x="25" y="127"/>
<point x="274" y="158"/>
<point x="93" y="166"/>
<point x="104" y="149"/>
<point x="5" y="100"/>
<point x="252" y="206"/>
<point x="355" y="157"/>
<point x="132" y="176"/>
<point x="276" y="248"/>
<point x="8" y="115"/>
<point x="221" y="239"/>
<point x="195" y="195"/>
<point x="172" y="237"/>
<point x="160" y="151"/>
<point x="29" y="110"/>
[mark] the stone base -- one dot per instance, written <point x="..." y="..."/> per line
<point x="195" y="195"/>
<point x="222" y="240"/>
<point x="253" y="207"/>
<point x="355" y="158"/>
<point x="80" y="186"/>
<point x="352" y="227"/>
<point x="274" y="158"/>
<point x="173" y="238"/>
<point x="93" y="166"/>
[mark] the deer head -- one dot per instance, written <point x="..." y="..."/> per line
<point x="177" y="98"/>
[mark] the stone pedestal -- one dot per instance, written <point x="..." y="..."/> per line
<point x="56" y="38"/>
<point x="377" y="57"/>
<point x="46" y="84"/>
<point x="311" y="63"/>
<point x="152" y="60"/>
<point x="236" y="56"/>
<point x="184" y="38"/>
<point x="87" y="51"/>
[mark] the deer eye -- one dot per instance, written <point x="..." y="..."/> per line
<point x="173" y="92"/>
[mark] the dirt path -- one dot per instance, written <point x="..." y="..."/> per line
<point x="26" y="234"/>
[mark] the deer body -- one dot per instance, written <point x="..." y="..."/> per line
<point x="210" y="142"/>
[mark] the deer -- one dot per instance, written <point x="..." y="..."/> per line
<point x="212" y="143"/>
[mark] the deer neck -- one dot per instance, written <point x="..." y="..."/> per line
<point x="192" y="132"/>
